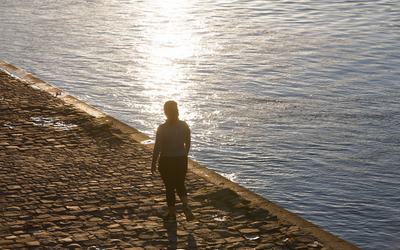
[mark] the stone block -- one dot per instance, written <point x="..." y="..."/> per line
<point x="14" y="187"/>
<point x="234" y="239"/>
<point x="6" y="242"/>
<point x="271" y="227"/>
<point x="305" y="239"/>
<point x="32" y="243"/>
<point x="73" y="246"/>
<point x="14" y="246"/>
<point x="249" y="231"/>
<point x="65" y="240"/>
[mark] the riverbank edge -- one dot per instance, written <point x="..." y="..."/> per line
<point x="326" y="238"/>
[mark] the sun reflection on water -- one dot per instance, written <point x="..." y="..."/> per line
<point x="170" y="42"/>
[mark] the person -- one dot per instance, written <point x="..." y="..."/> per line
<point x="173" y="145"/>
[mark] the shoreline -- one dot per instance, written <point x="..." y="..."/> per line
<point x="328" y="240"/>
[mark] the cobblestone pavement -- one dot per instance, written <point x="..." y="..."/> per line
<point x="68" y="181"/>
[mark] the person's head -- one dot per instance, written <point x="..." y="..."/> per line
<point x="171" y="111"/>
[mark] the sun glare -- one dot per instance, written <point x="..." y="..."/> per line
<point x="169" y="41"/>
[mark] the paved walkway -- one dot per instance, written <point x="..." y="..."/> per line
<point x="68" y="181"/>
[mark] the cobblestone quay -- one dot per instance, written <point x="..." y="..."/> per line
<point x="69" y="180"/>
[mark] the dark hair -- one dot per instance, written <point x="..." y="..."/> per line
<point x="171" y="111"/>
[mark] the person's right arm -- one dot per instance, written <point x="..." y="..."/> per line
<point x="156" y="151"/>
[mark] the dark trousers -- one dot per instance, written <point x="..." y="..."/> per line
<point x="173" y="172"/>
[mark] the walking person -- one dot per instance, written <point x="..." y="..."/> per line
<point x="171" y="150"/>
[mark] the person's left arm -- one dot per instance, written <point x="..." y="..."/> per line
<point x="187" y="142"/>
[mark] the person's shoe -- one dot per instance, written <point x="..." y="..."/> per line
<point x="188" y="213"/>
<point x="169" y="218"/>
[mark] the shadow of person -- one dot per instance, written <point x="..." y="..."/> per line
<point x="182" y="241"/>
<point x="172" y="232"/>
<point x="191" y="241"/>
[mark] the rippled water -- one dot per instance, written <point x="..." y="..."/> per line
<point x="298" y="101"/>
